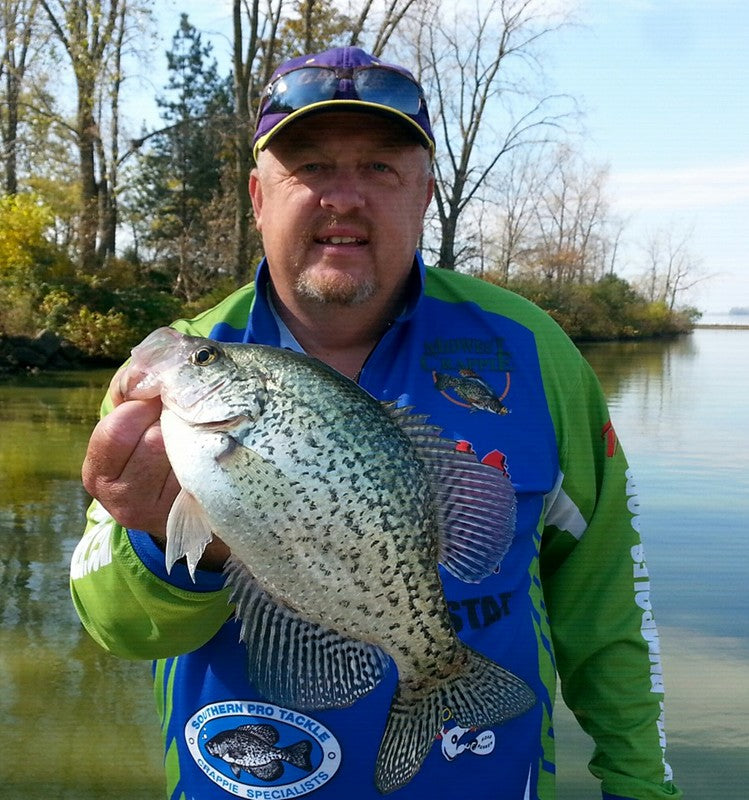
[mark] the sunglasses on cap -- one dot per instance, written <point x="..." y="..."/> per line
<point x="306" y="86"/>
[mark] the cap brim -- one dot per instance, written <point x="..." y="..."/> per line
<point x="345" y="105"/>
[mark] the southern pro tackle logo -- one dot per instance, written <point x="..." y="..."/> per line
<point x="258" y="750"/>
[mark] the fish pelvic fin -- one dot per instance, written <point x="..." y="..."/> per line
<point x="188" y="532"/>
<point x="480" y="694"/>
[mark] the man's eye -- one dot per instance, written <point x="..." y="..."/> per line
<point x="379" y="166"/>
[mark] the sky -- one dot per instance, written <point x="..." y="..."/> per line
<point x="664" y="89"/>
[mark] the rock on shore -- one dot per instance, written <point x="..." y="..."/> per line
<point x="45" y="351"/>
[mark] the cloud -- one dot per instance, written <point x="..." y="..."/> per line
<point x="686" y="188"/>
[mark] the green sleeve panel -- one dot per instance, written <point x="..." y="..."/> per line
<point x="129" y="610"/>
<point x="596" y="587"/>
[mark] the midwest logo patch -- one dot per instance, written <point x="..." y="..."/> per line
<point x="259" y="750"/>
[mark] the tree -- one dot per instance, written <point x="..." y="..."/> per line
<point x="93" y="34"/>
<point x="571" y="215"/>
<point x="179" y="192"/>
<point x="671" y="268"/>
<point x="18" y="22"/>
<point x="482" y="107"/>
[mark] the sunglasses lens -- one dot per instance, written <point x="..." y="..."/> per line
<point x="301" y="88"/>
<point x="309" y="85"/>
<point x="387" y="88"/>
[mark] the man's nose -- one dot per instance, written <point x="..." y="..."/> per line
<point x="342" y="192"/>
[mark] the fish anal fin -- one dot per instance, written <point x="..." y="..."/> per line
<point x="295" y="662"/>
<point x="188" y="532"/>
<point x="267" y="772"/>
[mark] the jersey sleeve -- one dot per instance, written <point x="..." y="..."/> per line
<point x="597" y="590"/>
<point x="129" y="605"/>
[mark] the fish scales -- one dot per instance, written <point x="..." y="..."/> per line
<point x="354" y="464"/>
<point x="337" y="510"/>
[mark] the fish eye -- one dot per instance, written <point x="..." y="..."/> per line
<point x="204" y="355"/>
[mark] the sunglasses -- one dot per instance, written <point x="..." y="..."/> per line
<point x="308" y="85"/>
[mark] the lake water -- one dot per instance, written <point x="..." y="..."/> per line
<point x="76" y="723"/>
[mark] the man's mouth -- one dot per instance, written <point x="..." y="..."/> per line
<point x="341" y="240"/>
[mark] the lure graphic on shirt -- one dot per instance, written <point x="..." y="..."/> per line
<point x="337" y="510"/>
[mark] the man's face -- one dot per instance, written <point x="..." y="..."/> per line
<point x="339" y="199"/>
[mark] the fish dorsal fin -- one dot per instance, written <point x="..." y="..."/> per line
<point x="188" y="531"/>
<point x="294" y="662"/>
<point x="475" y="502"/>
<point x="266" y="733"/>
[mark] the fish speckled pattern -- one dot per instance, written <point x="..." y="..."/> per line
<point x="337" y="510"/>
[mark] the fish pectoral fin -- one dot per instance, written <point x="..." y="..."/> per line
<point x="188" y="531"/>
<point x="476" y="502"/>
<point x="236" y="770"/>
<point x="295" y="662"/>
<point x="267" y="772"/>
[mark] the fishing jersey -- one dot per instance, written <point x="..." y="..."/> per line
<point x="571" y="596"/>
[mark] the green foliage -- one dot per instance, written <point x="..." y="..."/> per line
<point x="28" y="261"/>
<point x="607" y="309"/>
<point x="103" y="315"/>
<point x="23" y="224"/>
<point x="106" y="314"/>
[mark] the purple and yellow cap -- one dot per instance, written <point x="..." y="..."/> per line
<point x="341" y="79"/>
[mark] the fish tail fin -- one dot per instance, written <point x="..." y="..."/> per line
<point x="298" y="755"/>
<point x="480" y="694"/>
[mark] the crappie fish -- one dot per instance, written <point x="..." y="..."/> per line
<point x="473" y="389"/>
<point x="252" y="748"/>
<point x="337" y="509"/>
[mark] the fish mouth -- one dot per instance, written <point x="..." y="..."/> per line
<point x="224" y="425"/>
<point x="229" y="424"/>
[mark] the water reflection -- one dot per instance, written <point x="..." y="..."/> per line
<point x="68" y="711"/>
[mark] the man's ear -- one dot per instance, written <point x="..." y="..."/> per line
<point x="256" y="195"/>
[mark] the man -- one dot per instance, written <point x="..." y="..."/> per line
<point x="343" y="148"/>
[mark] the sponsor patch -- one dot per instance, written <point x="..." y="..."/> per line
<point x="261" y="751"/>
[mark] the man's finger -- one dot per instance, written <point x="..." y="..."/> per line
<point x="118" y="435"/>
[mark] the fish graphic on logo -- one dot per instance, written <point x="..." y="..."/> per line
<point x="473" y="389"/>
<point x="252" y="748"/>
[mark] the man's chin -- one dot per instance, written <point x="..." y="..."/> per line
<point x="337" y="290"/>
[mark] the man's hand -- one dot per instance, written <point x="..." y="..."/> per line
<point x="127" y="470"/>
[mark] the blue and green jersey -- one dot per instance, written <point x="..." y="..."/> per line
<point x="571" y="598"/>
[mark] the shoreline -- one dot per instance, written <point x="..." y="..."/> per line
<point x="727" y="326"/>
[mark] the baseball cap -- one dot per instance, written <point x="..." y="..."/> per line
<point x="341" y="79"/>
